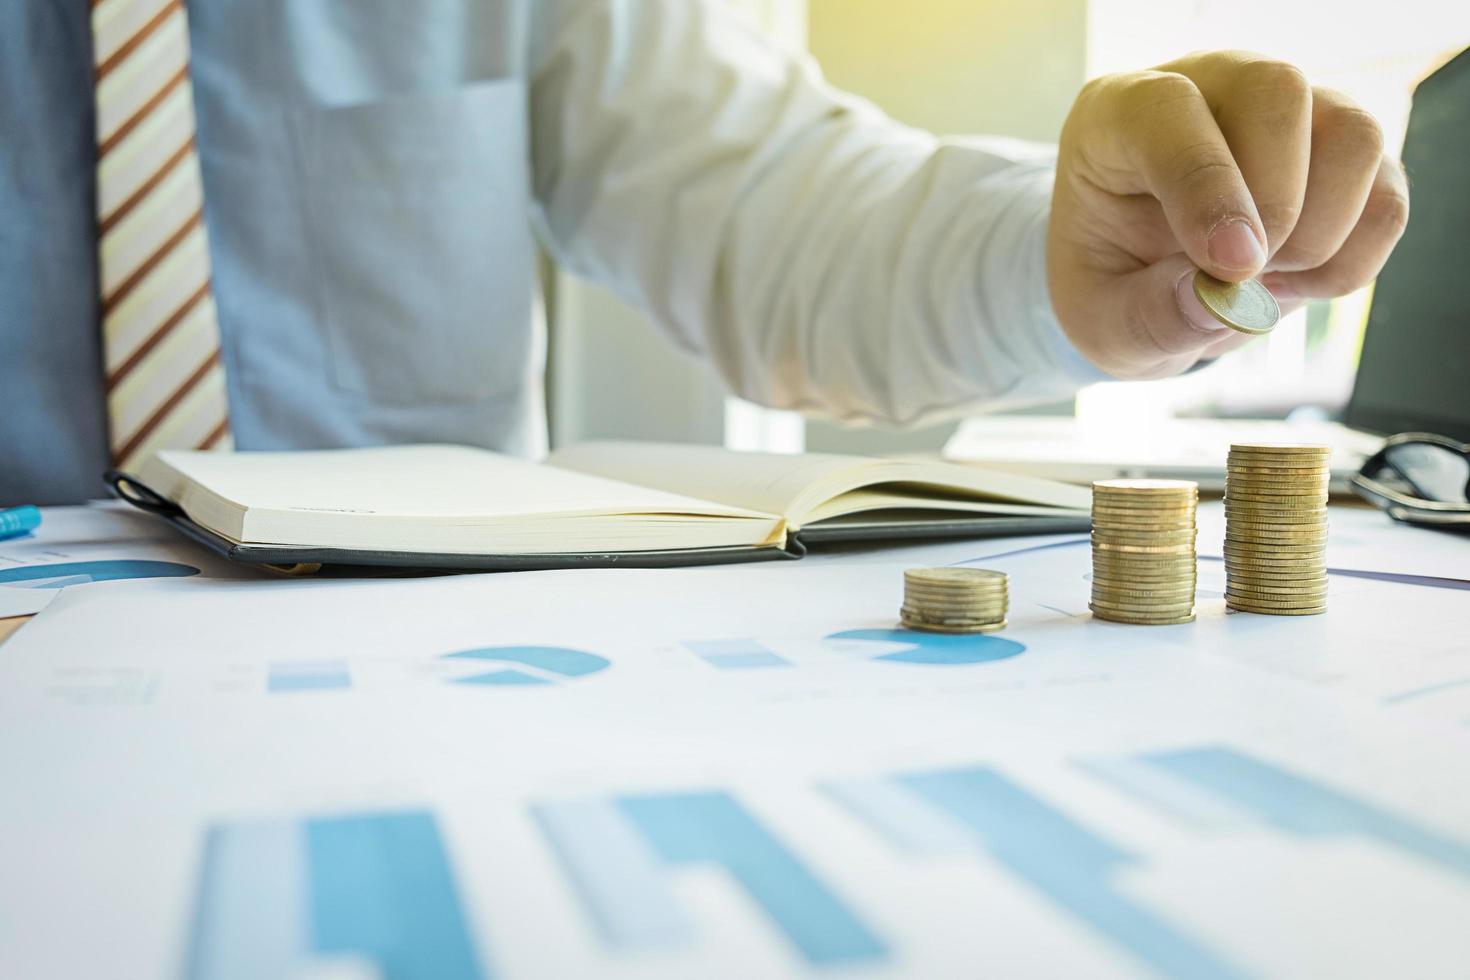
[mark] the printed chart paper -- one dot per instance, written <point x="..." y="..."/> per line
<point x="731" y="772"/>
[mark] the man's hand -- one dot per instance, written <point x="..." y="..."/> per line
<point x="1226" y="162"/>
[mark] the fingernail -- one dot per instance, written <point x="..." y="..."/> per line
<point x="1233" y="245"/>
<point x="1192" y="309"/>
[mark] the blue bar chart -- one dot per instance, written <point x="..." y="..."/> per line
<point x="619" y="853"/>
<point x="735" y="654"/>
<point x="620" y="879"/>
<point x="1301" y="806"/>
<point x="275" y="895"/>
<point x="286" y="676"/>
<point x="950" y="812"/>
<point x="1181" y="800"/>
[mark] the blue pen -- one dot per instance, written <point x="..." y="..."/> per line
<point x="19" y="520"/>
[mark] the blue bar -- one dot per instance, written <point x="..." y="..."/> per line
<point x="618" y="876"/>
<point x="735" y="654"/>
<point x="250" y="917"/>
<point x="276" y="895"/>
<point x="1305" y="808"/>
<point x="942" y="649"/>
<point x="1184" y="802"/>
<point x="382" y="889"/>
<point x="910" y="824"/>
<point x="308" y="675"/>
<point x="19" y="520"/>
<point x="1070" y="865"/>
<point x="712" y="828"/>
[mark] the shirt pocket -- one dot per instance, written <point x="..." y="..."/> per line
<point x="419" y="238"/>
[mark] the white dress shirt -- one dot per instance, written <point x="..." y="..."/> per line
<point x="376" y="177"/>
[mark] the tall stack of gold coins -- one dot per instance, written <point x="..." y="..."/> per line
<point x="955" y="600"/>
<point x="1143" y="561"/>
<point x="1276" y="529"/>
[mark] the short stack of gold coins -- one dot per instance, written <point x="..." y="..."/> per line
<point x="1143" y="559"/>
<point x="1276" y="529"/>
<point x="955" y="600"/>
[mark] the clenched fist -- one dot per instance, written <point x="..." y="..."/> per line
<point x="1226" y="162"/>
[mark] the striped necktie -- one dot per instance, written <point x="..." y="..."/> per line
<point x="165" y="381"/>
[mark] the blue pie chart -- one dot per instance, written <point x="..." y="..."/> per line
<point x="57" y="575"/>
<point x="936" y="649"/>
<point x="520" y="666"/>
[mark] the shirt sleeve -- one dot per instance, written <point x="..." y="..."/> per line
<point x="823" y="256"/>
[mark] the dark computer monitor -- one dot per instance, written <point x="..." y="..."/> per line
<point x="1415" y="369"/>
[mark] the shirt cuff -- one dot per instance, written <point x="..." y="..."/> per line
<point x="1050" y="361"/>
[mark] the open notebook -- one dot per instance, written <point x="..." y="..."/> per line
<point x="599" y="503"/>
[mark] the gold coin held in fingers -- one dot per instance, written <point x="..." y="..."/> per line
<point x="1247" y="307"/>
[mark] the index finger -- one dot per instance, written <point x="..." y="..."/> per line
<point x="1264" y="110"/>
<point x="1155" y="133"/>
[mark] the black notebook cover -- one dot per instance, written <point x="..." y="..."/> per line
<point x="301" y="559"/>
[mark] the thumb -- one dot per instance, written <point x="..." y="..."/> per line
<point x="1158" y="325"/>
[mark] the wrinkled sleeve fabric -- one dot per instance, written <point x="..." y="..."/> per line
<point x="823" y="256"/>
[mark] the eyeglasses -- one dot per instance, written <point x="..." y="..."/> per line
<point x="1419" y="478"/>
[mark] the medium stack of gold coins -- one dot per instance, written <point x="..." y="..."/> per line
<point x="1276" y="529"/>
<point x="954" y="600"/>
<point x="1143" y="561"/>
